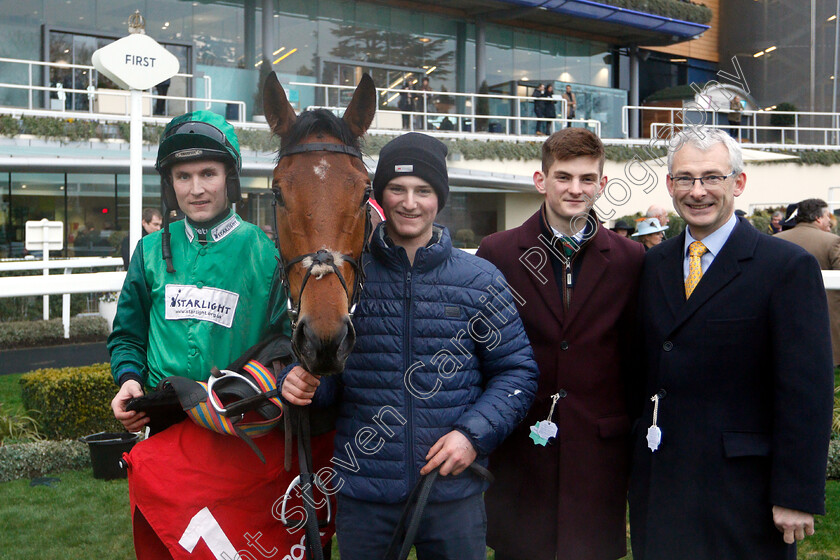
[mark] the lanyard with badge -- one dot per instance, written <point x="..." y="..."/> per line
<point x="544" y="430"/>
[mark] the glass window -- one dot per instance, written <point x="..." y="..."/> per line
<point x="76" y="14"/>
<point x="5" y="216"/>
<point x="470" y="215"/>
<point x="217" y="34"/>
<point x="526" y="57"/>
<point x="499" y="54"/>
<point x="92" y="214"/>
<point x="35" y="196"/>
<point x="552" y="57"/>
<point x="577" y="62"/>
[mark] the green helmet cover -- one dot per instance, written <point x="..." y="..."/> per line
<point x="198" y="135"/>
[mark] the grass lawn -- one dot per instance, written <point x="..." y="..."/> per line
<point x="10" y="392"/>
<point x="81" y="517"/>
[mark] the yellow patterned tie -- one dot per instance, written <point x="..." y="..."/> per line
<point x="695" y="251"/>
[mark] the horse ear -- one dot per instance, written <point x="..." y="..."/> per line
<point x="359" y="113"/>
<point x="278" y="111"/>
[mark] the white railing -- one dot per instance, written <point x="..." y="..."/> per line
<point x="831" y="279"/>
<point x="78" y="262"/>
<point x="808" y="126"/>
<point x="93" y="93"/>
<point x="438" y="111"/>
<point x="64" y="285"/>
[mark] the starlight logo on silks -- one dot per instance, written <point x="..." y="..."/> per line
<point x="203" y="304"/>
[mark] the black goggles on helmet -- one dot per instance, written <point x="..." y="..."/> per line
<point x="199" y="127"/>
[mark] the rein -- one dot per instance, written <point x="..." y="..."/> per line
<point x="322" y="256"/>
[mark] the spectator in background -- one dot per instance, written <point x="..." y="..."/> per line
<point x="658" y="212"/>
<point x="160" y="104"/>
<point x="813" y="233"/>
<point x="151" y="221"/>
<point x="649" y="233"/>
<point x="539" y="109"/>
<point x="406" y="103"/>
<point x="423" y="103"/>
<point x="571" y="103"/>
<point x="775" y="223"/>
<point x="549" y="109"/>
<point x="622" y="228"/>
<point x="734" y="116"/>
<point x="790" y="217"/>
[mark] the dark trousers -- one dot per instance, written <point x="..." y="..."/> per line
<point x="448" y="531"/>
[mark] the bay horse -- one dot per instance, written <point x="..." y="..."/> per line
<point x="321" y="188"/>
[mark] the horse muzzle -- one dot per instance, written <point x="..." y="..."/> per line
<point x="321" y="355"/>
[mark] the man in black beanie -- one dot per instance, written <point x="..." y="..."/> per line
<point x="440" y="374"/>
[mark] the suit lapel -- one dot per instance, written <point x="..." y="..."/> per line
<point x="724" y="269"/>
<point x="528" y="238"/>
<point x="670" y="274"/>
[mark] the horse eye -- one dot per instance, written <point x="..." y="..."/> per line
<point x="278" y="195"/>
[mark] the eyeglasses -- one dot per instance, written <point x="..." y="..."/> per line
<point x="686" y="182"/>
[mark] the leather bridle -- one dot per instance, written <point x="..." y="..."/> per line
<point x="321" y="257"/>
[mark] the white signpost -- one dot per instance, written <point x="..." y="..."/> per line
<point x="136" y="62"/>
<point x="45" y="236"/>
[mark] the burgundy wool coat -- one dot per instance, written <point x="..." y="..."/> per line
<point x="567" y="500"/>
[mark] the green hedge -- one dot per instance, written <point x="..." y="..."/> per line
<point x="71" y="402"/>
<point x="833" y="470"/>
<point x="29" y="334"/>
<point x="29" y="460"/>
<point x="675" y="9"/>
<point x="263" y="141"/>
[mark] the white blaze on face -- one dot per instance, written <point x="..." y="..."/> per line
<point x="321" y="169"/>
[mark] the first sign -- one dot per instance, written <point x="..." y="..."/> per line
<point x="136" y="62"/>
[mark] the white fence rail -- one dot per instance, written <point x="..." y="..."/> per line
<point x="64" y="285"/>
<point x="95" y="282"/>
<point x="97" y="97"/>
<point x="807" y="127"/>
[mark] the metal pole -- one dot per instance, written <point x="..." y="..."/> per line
<point x="65" y="309"/>
<point x="480" y="54"/>
<point x="135" y="176"/>
<point x="267" y="31"/>
<point x="45" y="235"/>
<point x="634" y="91"/>
<point x="813" y="55"/>
<point x="834" y="85"/>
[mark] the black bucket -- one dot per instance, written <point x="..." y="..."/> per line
<point x="106" y="450"/>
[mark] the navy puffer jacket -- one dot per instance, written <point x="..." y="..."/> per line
<point x="439" y="346"/>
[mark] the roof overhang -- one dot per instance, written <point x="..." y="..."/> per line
<point x="583" y="18"/>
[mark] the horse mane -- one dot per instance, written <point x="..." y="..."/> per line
<point x="318" y="121"/>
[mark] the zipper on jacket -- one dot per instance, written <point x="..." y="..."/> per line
<point x="407" y="350"/>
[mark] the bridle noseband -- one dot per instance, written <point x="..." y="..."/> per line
<point x="322" y="257"/>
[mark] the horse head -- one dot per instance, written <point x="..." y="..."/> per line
<point x="321" y="188"/>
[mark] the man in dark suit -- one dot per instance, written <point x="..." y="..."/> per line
<point x="578" y="285"/>
<point x="730" y="452"/>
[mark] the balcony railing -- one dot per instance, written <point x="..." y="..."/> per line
<point x="466" y="115"/>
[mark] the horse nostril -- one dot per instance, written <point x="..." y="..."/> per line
<point x="347" y="340"/>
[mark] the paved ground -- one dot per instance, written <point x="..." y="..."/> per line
<point x="27" y="359"/>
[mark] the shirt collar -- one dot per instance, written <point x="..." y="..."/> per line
<point x="715" y="241"/>
<point x="217" y="232"/>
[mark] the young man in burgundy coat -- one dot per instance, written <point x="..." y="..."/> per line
<point x="578" y="281"/>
